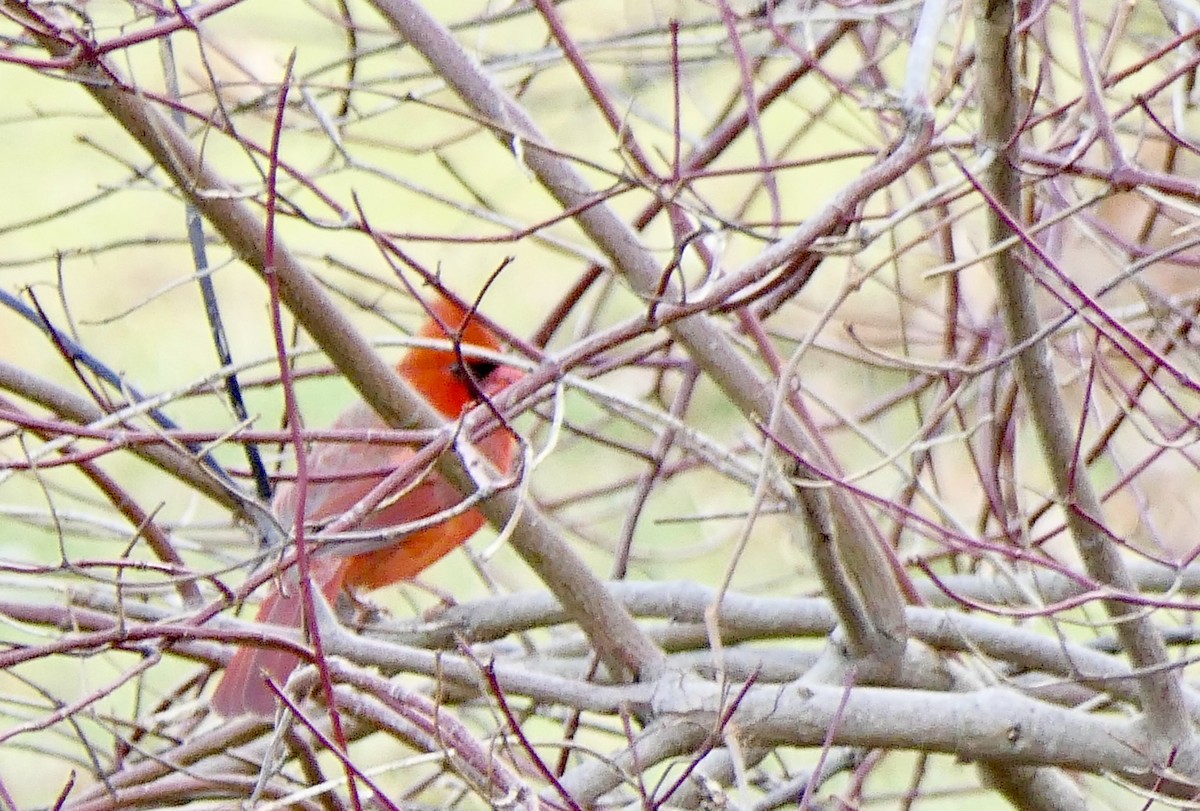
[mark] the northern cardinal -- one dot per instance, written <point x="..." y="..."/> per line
<point x="351" y="471"/>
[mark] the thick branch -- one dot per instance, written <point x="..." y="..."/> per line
<point x="618" y="640"/>
<point x="874" y="621"/>
<point x="1162" y="698"/>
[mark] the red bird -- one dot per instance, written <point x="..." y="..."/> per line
<point x="437" y="375"/>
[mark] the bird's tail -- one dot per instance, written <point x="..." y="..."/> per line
<point x="243" y="686"/>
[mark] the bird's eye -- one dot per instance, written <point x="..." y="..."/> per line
<point x="477" y="371"/>
<point x="481" y="369"/>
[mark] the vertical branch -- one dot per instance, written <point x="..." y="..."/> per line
<point x="208" y="291"/>
<point x="1159" y="686"/>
